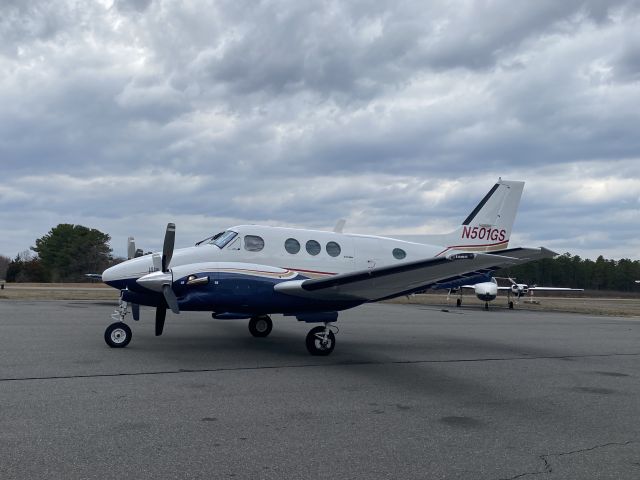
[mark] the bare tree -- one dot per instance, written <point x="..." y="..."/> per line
<point x="4" y="264"/>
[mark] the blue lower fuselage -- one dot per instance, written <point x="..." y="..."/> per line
<point x="230" y="292"/>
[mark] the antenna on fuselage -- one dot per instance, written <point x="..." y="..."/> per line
<point x="339" y="225"/>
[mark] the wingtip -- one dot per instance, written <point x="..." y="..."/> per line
<point x="548" y="253"/>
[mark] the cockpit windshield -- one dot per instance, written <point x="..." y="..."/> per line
<point x="221" y="240"/>
<point x="209" y="239"/>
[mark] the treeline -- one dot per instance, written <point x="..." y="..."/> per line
<point x="68" y="252"/>
<point x="65" y="254"/>
<point x="572" y="271"/>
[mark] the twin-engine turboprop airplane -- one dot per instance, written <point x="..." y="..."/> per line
<point x="488" y="291"/>
<point x="250" y="271"/>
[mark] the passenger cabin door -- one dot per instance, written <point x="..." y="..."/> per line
<point x="368" y="253"/>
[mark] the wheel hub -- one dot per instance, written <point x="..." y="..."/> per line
<point x="118" y="335"/>
<point x="323" y="342"/>
<point x="261" y="325"/>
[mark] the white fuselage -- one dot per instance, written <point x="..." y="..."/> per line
<point x="320" y="253"/>
<point x="486" y="291"/>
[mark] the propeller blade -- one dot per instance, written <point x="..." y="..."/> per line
<point x="167" y="248"/>
<point x="171" y="299"/>
<point x="161" y="313"/>
<point x="135" y="311"/>
<point x="157" y="262"/>
<point x="131" y="248"/>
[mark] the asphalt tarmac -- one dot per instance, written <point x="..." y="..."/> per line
<point x="410" y="392"/>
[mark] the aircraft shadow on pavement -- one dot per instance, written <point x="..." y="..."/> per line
<point x="438" y="367"/>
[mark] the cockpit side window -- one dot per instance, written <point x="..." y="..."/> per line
<point x="222" y="240"/>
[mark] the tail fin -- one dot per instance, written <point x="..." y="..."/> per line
<point x="488" y="226"/>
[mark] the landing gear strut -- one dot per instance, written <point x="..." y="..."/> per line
<point x="260" y="326"/>
<point x="321" y="340"/>
<point x="118" y="334"/>
<point x="459" y="299"/>
<point x="509" y="301"/>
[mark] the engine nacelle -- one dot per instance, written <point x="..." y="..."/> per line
<point x="519" y="289"/>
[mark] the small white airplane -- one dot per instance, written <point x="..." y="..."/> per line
<point x="488" y="291"/>
<point x="252" y="271"/>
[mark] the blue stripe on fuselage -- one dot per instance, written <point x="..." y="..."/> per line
<point x="231" y="292"/>
<point x="243" y="293"/>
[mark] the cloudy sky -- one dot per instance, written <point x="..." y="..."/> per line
<point x="396" y="115"/>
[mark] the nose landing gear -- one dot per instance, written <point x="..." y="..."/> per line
<point x="118" y="334"/>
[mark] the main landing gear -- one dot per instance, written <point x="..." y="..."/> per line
<point x="260" y="326"/>
<point x="509" y="301"/>
<point x="118" y="334"/>
<point x="459" y="299"/>
<point x="321" y="340"/>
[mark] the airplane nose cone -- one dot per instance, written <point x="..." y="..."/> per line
<point x="111" y="274"/>
<point x="123" y="274"/>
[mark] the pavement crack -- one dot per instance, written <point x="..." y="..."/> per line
<point x="520" y="475"/>
<point x="314" y="365"/>
<point x="603" y="445"/>
<point x="547" y="468"/>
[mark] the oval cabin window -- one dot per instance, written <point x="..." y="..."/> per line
<point x="399" y="253"/>
<point x="292" y="245"/>
<point x="253" y="243"/>
<point x="333" y="249"/>
<point x="313" y="247"/>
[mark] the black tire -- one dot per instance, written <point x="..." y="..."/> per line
<point x="458" y="302"/>
<point x="117" y="335"/>
<point x="260" y="326"/>
<point x="314" y="344"/>
<point x="510" y="305"/>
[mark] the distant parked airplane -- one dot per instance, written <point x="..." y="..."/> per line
<point x="488" y="291"/>
<point x="252" y="271"/>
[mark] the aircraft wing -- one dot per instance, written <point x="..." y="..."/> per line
<point x="556" y="289"/>
<point x="395" y="280"/>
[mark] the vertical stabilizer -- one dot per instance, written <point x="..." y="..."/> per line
<point x="488" y="226"/>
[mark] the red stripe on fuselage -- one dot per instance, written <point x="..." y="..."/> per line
<point x="453" y="247"/>
<point x="310" y="271"/>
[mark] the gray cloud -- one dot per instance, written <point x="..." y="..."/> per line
<point x="396" y="115"/>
